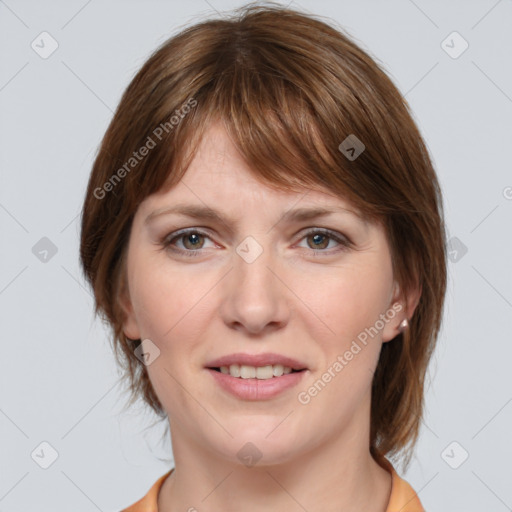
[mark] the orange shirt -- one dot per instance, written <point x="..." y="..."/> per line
<point x="402" y="499"/>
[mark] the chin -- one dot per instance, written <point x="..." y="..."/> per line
<point x="258" y="443"/>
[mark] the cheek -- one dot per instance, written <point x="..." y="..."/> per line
<point x="173" y="308"/>
<point x="160" y="296"/>
<point x="169" y="311"/>
<point x="349" y="306"/>
<point x="346" y="302"/>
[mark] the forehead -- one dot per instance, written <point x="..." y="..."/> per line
<point x="232" y="190"/>
<point x="220" y="186"/>
<point x="229" y="203"/>
<point x="219" y="173"/>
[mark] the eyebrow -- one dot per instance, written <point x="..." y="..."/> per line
<point x="199" y="212"/>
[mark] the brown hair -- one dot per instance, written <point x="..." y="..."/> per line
<point x="289" y="89"/>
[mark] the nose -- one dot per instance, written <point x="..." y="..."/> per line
<point x="255" y="298"/>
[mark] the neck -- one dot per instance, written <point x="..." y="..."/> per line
<point x="340" y="474"/>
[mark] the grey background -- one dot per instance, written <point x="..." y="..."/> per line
<point x="59" y="383"/>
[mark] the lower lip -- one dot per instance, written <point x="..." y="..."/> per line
<point x="256" y="389"/>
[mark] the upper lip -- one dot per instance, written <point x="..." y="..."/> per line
<point x="256" y="360"/>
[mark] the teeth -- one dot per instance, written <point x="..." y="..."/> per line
<point x="247" y="372"/>
<point x="234" y="370"/>
<point x="264" y="372"/>
<point x="260" y="372"/>
<point x="277" y="370"/>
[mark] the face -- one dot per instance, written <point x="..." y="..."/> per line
<point x="258" y="291"/>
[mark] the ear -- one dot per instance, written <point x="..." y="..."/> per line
<point x="401" y="307"/>
<point x="130" y="326"/>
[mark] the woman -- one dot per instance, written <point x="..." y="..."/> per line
<point x="263" y="230"/>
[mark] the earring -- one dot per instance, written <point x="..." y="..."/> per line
<point x="404" y="324"/>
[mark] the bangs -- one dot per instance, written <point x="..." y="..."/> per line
<point x="285" y="126"/>
<point x="277" y="133"/>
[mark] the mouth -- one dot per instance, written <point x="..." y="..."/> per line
<point x="256" y="372"/>
<point x="256" y="366"/>
<point x="256" y="376"/>
<point x="256" y="383"/>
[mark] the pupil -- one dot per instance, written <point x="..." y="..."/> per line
<point x="317" y="239"/>
<point x="191" y="238"/>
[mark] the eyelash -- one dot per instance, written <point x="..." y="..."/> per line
<point x="167" y="242"/>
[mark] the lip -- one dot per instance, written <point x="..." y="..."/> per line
<point x="256" y="389"/>
<point x="256" y="360"/>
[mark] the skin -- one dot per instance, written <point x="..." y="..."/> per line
<point x="290" y="301"/>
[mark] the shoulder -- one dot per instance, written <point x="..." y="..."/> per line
<point x="403" y="498"/>
<point x="148" y="503"/>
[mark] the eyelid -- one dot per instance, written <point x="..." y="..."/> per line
<point x="340" y="237"/>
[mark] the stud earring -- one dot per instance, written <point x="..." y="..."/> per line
<point x="404" y="324"/>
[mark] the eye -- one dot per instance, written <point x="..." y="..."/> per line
<point x="320" y="239"/>
<point x="192" y="241"/>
